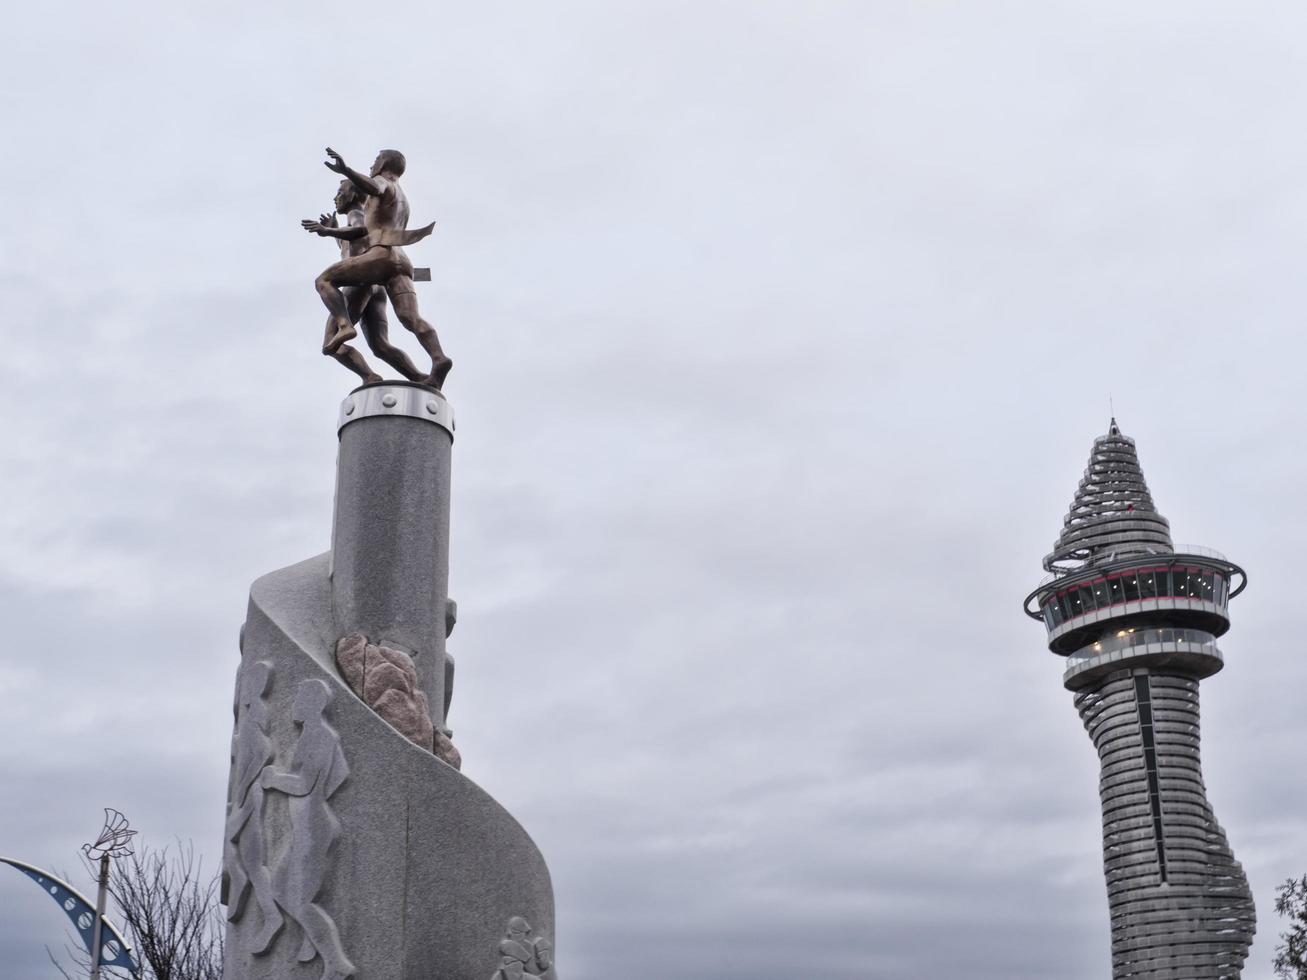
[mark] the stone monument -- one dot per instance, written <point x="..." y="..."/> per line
<point x="354" y="845"/>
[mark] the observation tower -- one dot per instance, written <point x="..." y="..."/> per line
<point x="1137" y="619"/>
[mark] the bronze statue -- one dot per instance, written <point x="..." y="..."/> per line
<point x="366" y="304"/>
<point x="376" y="260"/>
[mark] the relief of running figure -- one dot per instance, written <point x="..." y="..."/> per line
<point x="317" y="770"/>
<point x="523" y="956"/>
<point x="246" y="863"/>
<point x="381" y="262"/>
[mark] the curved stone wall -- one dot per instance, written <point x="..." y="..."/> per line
<point x="384" y="863"/>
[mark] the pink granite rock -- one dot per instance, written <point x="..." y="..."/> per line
<point x="446" y="751"/>
<point x="406" y="715"/>
<point x="386" y="681"/>
<point x="380" y="677"/>
<point x="350" y="655"/>
<point x="398" y="658"/>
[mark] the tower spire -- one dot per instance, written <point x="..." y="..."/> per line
<point x="1112" y="514"/>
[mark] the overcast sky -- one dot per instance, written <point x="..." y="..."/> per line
<point x="782" y="333"/>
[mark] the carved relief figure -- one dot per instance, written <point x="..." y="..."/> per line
<point x="246" y="850"/>
<point x="512" y="969"/>
<point x="316" y="771"/>
<point x="544" y="951"/>
<point x="523" y="957"/>
<point x="382" y="262"/>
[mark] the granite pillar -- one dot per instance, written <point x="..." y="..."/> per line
<point x="390" y="534"/>
<point x="350" y="851"/>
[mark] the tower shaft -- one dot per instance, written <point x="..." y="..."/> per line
<point x="1180" y="905"/>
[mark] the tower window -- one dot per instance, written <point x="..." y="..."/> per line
<point x="1147" y="585"/>
<point x="1131" y="586"/>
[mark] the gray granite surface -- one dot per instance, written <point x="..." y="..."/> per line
<point x="350" y="851"/>
<point x="390" y="541"/>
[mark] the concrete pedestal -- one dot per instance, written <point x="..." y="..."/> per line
<point x="350" y="851"/>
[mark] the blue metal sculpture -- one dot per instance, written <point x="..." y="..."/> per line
<point x="114" y="950"/>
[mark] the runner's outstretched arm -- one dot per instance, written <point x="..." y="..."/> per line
<point x="338" y="165"/>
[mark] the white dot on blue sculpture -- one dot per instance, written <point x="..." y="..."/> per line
<point x="69" y="904"/>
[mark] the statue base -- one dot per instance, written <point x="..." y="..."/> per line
<point x="351" y="849"/>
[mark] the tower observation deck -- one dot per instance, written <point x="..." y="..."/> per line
<point x="1137" y="618"/>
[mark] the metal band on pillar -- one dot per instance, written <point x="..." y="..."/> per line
<point x="390" y="398"/>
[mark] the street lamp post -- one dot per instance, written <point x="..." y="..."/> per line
<point x="115" y="840"/>
<point x="96" y="945"/>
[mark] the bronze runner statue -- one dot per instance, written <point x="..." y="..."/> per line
<point x="366" y="304"/>
<point x="381" y="262"/>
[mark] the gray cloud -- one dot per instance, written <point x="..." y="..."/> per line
<point x="781" y="336"/>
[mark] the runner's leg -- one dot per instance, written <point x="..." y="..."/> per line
<point x="355" y="297"/>
<point x="358" y="270"/>
<point x="356" y="362"/>
<point x="375" y="332"/>
<point x="405" y="301"/>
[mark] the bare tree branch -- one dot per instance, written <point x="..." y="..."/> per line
<point x="60" y="967"/>
<point x="1291" y="954"/>
<point x="168" y="911"/>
